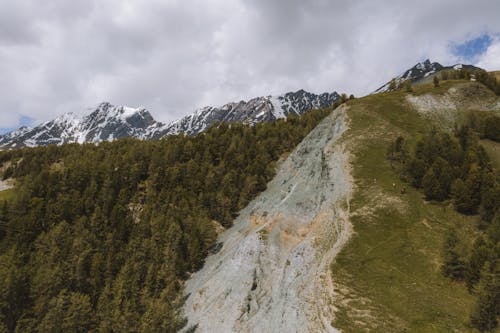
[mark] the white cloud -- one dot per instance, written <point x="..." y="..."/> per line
<point x="173" y="56"/>
<point x="490" y="60"/>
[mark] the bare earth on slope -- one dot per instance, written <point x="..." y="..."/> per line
<point x="5" y="185"/>
<point x="448" y="108"/>
<point x="271" y="274"/>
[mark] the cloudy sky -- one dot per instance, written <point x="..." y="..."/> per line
<point x="173" y="56"/>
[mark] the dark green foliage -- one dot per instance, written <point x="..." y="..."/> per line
<point x="485" y="124"/>
<point x="392" y="84"/>
<point x="408" y="86"/>
<point x="487" y="308"/>
<point x="398" y="151"/>
<point x="481" y="252"/>
<point x="100" y="237"/>
<point x="467" y="194"/>
<point x="68" y="312"/>
<point x="437" y="180"/>
<point x="488" y="79"/>
<point x="453" y="266"/>
<point x="435" y="81"/>
<point x="416" y="170"/>
<point x="492" y="128"/>
<point x="458" y="165"/>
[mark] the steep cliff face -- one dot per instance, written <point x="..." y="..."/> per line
<point x="271" y="274"/>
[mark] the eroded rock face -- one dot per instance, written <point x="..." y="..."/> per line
<point x="271" y="274"/>
<point x="447" y="109"/>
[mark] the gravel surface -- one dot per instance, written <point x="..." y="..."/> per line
<point x="5" y="185"/>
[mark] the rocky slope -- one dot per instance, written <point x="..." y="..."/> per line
<point x="105" y="123"/>
<point x="447" y="109"/>
<point x="253" y="111"/>
<point x="108" y="122"/>
<point x="271" y="274"/>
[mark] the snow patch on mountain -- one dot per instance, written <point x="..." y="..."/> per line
<point x="419" y="71"/>
<point x="107" y="122"/>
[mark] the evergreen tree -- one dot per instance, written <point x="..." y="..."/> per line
<point x="435" y="81"/>
<point x="416" y="169"/>
<point x="479" y="255"/>
<point x="392" y="84"/>
<point x="100" y="237"/>
<point x="492" y="128"/>
<point x="408" y="86"/>
<point x="467" y="195"/>
<point x="487" y="307"/>
<point x="437" y="181"/>
<point x="68" y="312"/>
<point x="453" y="265"/>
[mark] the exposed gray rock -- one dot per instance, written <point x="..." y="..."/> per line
<point x="271" y="274"/>
<point x="446" y="110"/>
<point x="108" y="122"/>
<point x="420" y="72"/>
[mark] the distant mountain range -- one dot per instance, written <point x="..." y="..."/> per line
<point x="421" y="71"/>
<point x="108" y="122"/>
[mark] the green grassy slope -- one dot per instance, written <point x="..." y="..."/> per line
<point x="388" y="276"/>
<point x="497" y="74"/>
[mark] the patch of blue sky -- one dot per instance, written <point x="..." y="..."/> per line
<point x="471" y="49"/>
<point x="23" y="121"/>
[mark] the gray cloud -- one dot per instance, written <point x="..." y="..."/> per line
<point x="173" y="56"/>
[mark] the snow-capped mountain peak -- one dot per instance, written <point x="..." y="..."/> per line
<point x="419" y="72"/>
<point x="107" y="122"/>
<point x="255" y="110"/>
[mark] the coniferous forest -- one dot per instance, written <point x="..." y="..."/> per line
<point x="456" y="168"/>
<point x="101" y="237"/>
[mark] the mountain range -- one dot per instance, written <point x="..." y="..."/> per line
<point x="108" y="122"/>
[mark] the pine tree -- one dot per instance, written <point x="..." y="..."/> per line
<point x="492" y="128"/>
<point x="453" y="266"/>
<point x="408" y="86"/>
<point x="68" y="312"/>
<point x="485" y="312"/>
<point x="435" y="81"/>
<point x="467" y="195"/>
<point x="416" y="169"/>
<point x="437" y="180"/>
<point x="479" y="255"/>
<point x="392" y="84"/>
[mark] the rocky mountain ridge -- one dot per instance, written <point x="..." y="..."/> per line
<point x="108" y="122"/>
<point x="421" y="71"/>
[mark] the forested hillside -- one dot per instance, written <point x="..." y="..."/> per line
<point x="101" y="237"/>
<point x="424" y="253"/>
<point x="456" y="167"/>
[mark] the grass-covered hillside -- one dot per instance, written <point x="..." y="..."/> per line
<point x="389" y="276"/>
<point x="101" y="237"/>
